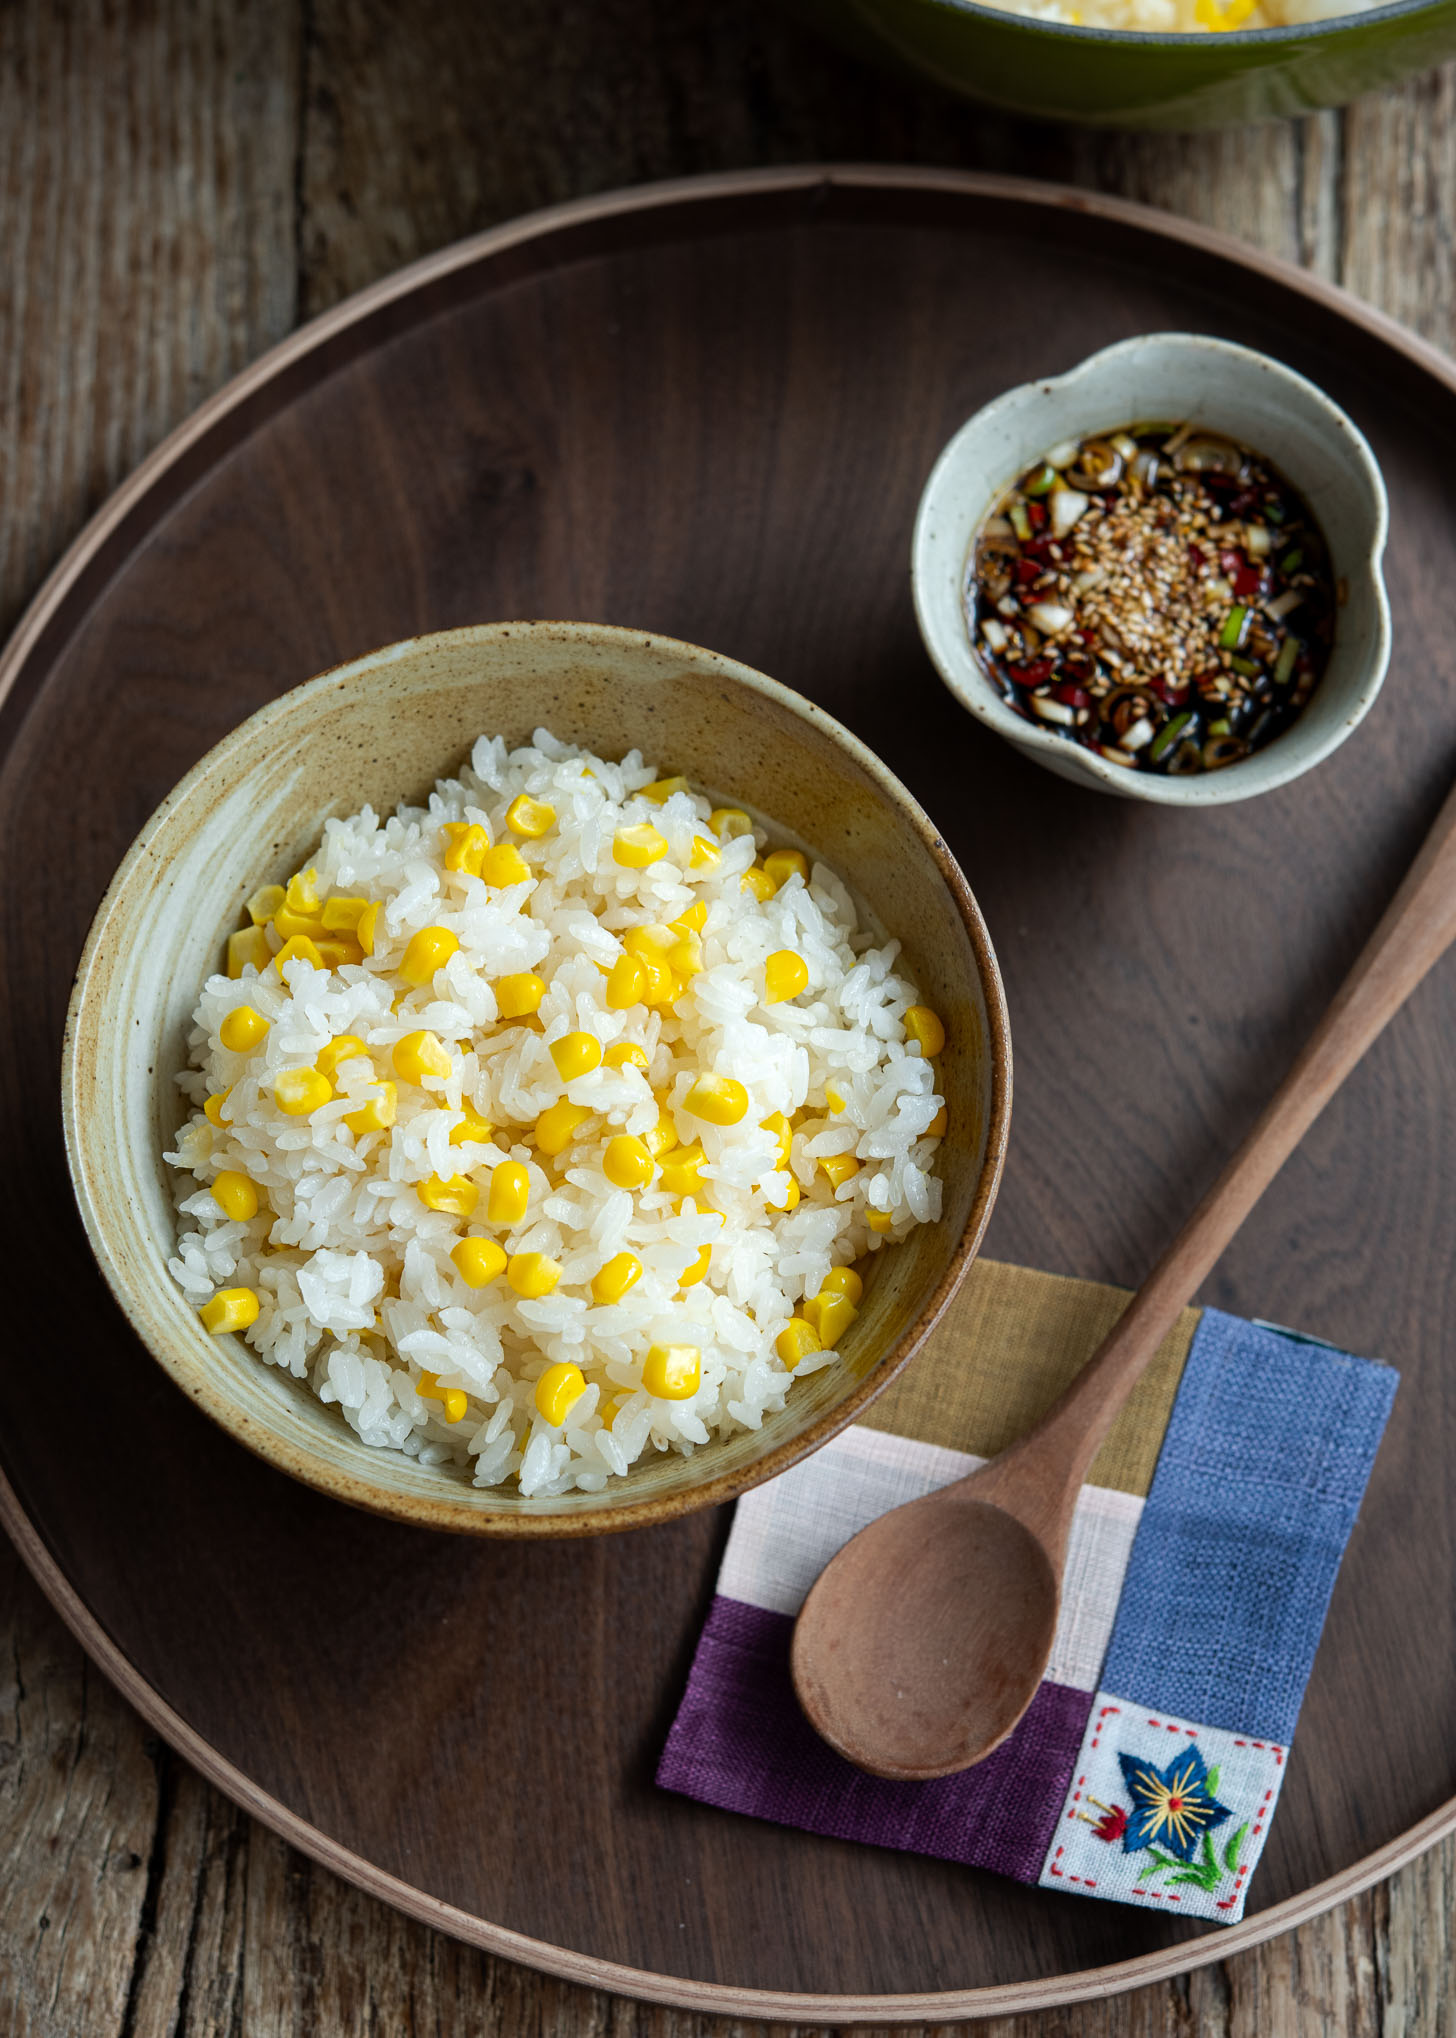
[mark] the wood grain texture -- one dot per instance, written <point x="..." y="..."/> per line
<point x="179" y="182"/>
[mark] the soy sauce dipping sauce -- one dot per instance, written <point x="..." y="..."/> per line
<point x="1160" y="595"/>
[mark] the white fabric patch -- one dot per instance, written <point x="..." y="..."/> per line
<point x="785" y="1532"/>
<point x="1225" y="1785"/>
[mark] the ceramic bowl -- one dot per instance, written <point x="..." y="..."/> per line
<point x="1123" y="78"/>
<point x="383" y="730"/>
<point x="1225" y="388"/>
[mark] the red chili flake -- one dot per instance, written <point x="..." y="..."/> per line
<point x="1036" y="672"/>
<point x="1173" y="691"/>
<point x="1230" y="562"/>
<point x="1037" y="513"/>
<point x="1248" y="583"/>
<point x="1026" y="571"/>
<point x="1073" y="696"/>
<point x="1047" y="550"/>
<point x="1197" y="558"/>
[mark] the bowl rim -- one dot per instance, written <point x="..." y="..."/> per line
<point x="467" y="1511"/>
<point x="976" y="693"/>
<point x="1185" y="39"/>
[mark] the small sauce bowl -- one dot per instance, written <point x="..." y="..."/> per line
<point x="1220" y="387"/>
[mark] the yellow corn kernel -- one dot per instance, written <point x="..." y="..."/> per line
<point x="627" y="1163"/>
<point x="650" y="941"/>
<point x="300" y="894"/>
<point x="243" y="1028"/>
<point x="663" y="1136"/>
<point x="717" y="1099"/>
<point x="516" y="997"/>
<point x="833" y="1099"/>
<point x="229" y="1309"/>
<point x="831" y="1315"/>
<point x="558" y="1390"/>
<point x="782" y="1131"/>
<point x="341" y="915"/>
<point x="510" y="1191"/>
<point x="558" y="1125"/>
<point x="696" y="1270"/>
<point x="685" y="957"/>
<point x="265" y="903"/>
<point x="504" y="865"/>
<point x="457" y="1196"/>
<point x="703" y="854"/>
<point x="419" y="1055"/>
<point x="635" y="848"/>
<point x="428" y="951"/>
<point x="471" y="1127"/>
<point x="378" y="1114"/>
<point x="681" y="1171"/>
<point x="938" y="1125"/>
<point x="785" y="974"/>
<point x="672" y="1372"/>
<point x="337" y="949"/>
<point x="611" y="1282"/>
<point x="796" y="1341"/>
<point x="729" y="822"/>
<point x="786" y="863"/>
<point x="289" y="922"/>
<point x="299" y="948"/>
<point x="248" y="945"/>
<point x="791" y="1198"/>
<point x="235" y="1194"/>
<point x="465" y="844"/>
<point x="661" y="986"/>
<point x="663" y="789"/>
<point x="609" y="1410"/>
<point x="366" y="932"/>
<point x="212" y="1109"/>
<point x="531" y="818"/>
<point x="347" y="1047"/>
<point x="532" y="1275"/>
<point x="454" y="1399"/>
<point x="843" y="1281"/>
<point x="575" y="1054"/>
<point x="922" y="1025"/>
<point x="692" y="921"/>
<point x="626" y="1054"/>
<point x="839" y="1168"/>
<point x="478" y="1261"/>
<point x="626" y="983"/>
<point x="879" y="1220"/>
<point x="758" y="882"/>
<point x="301" y="1092"/>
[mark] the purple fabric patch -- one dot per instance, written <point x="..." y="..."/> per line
<point x="741" y="1742"/>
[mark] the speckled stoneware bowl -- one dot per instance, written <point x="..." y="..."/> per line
<point x="1128" y="78"/>
<point x="383" y="730"/>
<point x="1225" y="388"/>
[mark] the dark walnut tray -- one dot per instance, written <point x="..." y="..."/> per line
<point x="707" y="409"/>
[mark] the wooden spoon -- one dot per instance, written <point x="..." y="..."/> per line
<point x="924" y="1639"/>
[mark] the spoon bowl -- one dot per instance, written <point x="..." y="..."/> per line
<point x="925" y="1640"/>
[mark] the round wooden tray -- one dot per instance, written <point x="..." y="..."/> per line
<point x="707" y="409"/>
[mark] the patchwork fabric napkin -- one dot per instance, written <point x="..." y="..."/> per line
<point x="1202" y="1559"/>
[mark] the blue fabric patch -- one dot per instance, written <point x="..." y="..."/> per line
<point x="1261" y="1473"/>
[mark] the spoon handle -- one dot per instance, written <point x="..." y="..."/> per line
<point x="1416" y="928"/>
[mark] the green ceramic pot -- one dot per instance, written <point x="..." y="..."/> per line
<point x="1113" y="78"/>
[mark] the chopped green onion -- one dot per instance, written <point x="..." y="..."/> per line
<point x="1274" y="511"/>
<point x="1222" y="727"/>
<point x="1232" y="634"/>
<point x="1020" y="521"/>
<point x="1292" y="561"/>
<point x="1246" y="666"/>
<point x="1168" y="735"/>
<point x="1288" y="653"/>
<point x="1040" y="483"/>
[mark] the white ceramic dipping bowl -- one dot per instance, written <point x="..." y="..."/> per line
<point x="1226" y="389"/>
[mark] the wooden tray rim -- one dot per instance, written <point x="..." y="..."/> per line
<point x="998" y="1999"/>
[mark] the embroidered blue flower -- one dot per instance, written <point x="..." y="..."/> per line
<point x="1172" y="1807"/>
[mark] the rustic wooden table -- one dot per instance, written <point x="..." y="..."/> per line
<point x="181" y="183"/>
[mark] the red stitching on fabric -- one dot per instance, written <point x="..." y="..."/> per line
<point x="1163" y="1895"/>
<point x="1100" y="1718"/>
<point x="1087" y="1881"/>
<point x="1191" y="1732"/>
